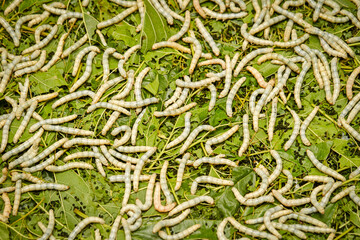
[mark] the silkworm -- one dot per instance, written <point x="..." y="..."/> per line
<point x="25" y="121"/>
<point x="3" y="177"/>
<point x="213" y="160"/>
<point x="252" y="99"/>
<point x="127" y="55"/>
<point x="125" y="138"/>
<point x="50" y="226"/>
<point x="21" y="21"/>
<point x="44" y="186"/>
<point x="17" y="197"/>
<point x="33" y="68"/>
<point x="7" y="189"/>
<point x="252" y="39"/>
<point x="24" y="65"/>
<point x="348" y="107"/>
<point x="326" y="80"/>
<point x="298" y="84"/>
<point x="351" y="16"/>
<point x="99" y="167"/>
<point x="115" y="228"/>
<point x="197" y="53"/>
<point x="354" y="197"/>
<point x="42" y="43"/>
<point x="174" y="97"/>
<point x="183" y="30"/>
<point x="30" y="153"/>
<point x="85" y="154"/>
<point x="137" y="85"/>
<point x="314" y="201"/>
<point x="211" y="180"/>
<point x="223" y="137"/>
<point x="315" y="64"/>
<point x="193" y="135"/>
<point x="260" y="105"/>
<point x="163" y="183"/>
<point x="74" y="46"/>
<point x="12" y="6"/>
<point x="85" y="141"/>
<point x="127" y="184"/>
<point x="157" y="201"/>
<point x="291" y="229"/>
<point x="121" y="178"/>
<point x="180" y="172"/>
<point x="303" y="218"/>
<point x="57" y="53"/>
<point x="128" y="87"/>
<point x="313" y="229"/>
<point x="350" y="82"/>
<point x="40" y="30"/>
<point x="206" y="35"/>
<point x="81" y="225"/>
<point x="323" y="168"/>
<point x="181" y="235"/>
<point x="175" y="112"/>
<point x="7" y="73"/>
<point x="135" y="104"/>
<point x="54" y="10"/>
<point x="246" y="132"/>
<point x="52" y="121"/>
<point x="296" y="130"/>
<point x="336" y="79"/>
<point x="250" y="57"/>
<point x="197" y="84"/>
<point x="220" y="229"/>
<point x="268" y="224"/>
<point x="191" y="203"/>
<point x="353" y="40"/>
<point x="140" y="165"/>
<point x="252" y="201"/>
<point x="250" y="231"/>
<point x="354" y="173"/>
<point x="110" y="122"/>
<point x="124" y="3"/>
<point x="278" y="214"/>
<point x="162" y="11"/>
<point x="305" y="125"/>
<point x="148" y="196"/>
<point x="86" y="74"/>
<point x="68" y="15"/>
<point x="170" y="222"/>
<point x="232" y="94"/>
<point x="213" y="62"/>
<point x="212" y="101"/>
<point x="67" y="130"/>
<point x="289" y="182"/>
<point x="224" y="16"/>
<point x="7" y="206"/>
<point x="80" y="56"/>
<point x="127" y="231"/>
<point x="272" y="120"/>
<point x="134" y="149"/>
<point x="263" y="185"/>
<point x="44" y="164"/>
<point x="342" y="194"/>
<point x="72" y="96"/>
<point x="108" y="106"/>
<point x="104" y="87"/>
<point x="329" y="50"/>
<point x="10" y="30"/>
<point x="228" y="77"/>
<point x="290" y="202"/>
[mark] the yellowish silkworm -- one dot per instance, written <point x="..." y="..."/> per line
<point x="342" y="194"/>
<point x="224" y="16"/>
<point x="17" y="197"/>
<point x="211" y="180"/>
<point x="223" y="137"/>
<point x="314" y="201"/>
<point x="104" y="87"/>
<point x="212" y="101"/>
<point x="163" y="183"/>
<point x="354" y="197"/>
<point x="81" y="225"/>
<point x="149" y="194"/>
<point x="44" y="186"/>
<point x="290" y="202"/>
<point x="263" y="185"/>
<point x="206" y="35"/>
<point x="86" y="141"/>
<point x="125" y="138"/>
<point x="232" y="94"/>
<point x="74" y="46"/>
<point x="44" y="164"/>
<point x="72" y="96"/>
<point x="139" y="166"/>
<point x="157" y="201"/>
<point x="170" y="222"/>
<point x="110" y="122"/>
<point x="191" y="203"/>
<point x="267" y="216"/>
<point x="197" y="53"/>
<point x="193" y="135"/>
<point x="10" y="30"/>
<point x="25" y="121"/>
<point x="250" y="57"/>
<point x="50" y="121"/>
<point x="246" y="137"/>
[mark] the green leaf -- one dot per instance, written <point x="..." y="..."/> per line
<point x="90" y="24"/>
<point x="153" y="87"/>
<point x="42" y="82"/>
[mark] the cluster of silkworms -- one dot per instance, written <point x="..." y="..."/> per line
<point x="117" y="149"/>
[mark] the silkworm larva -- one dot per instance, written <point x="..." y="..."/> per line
<point x="224" y="16"/>
<point x="348" y="107"/>
<point x="128" y="87"/>
<point x="65" y="119"/>
<point x="127" y="231"/>
<point x="127" y="55"/>
<point x="99" y="167"/>
<point x="354" y="197"/>
<point x="323" y="168"/>
<point x="123" y="3"/>
<point x="42" y="43"/>
<point x="123" y="157"/>
<point x="74" y="46"/>
<point x="125" y="138"/>
<point x="136" y="125"/>
<point x="213" y="62"/>
<point x="220" y="229"/>
<point x="7" y="73"/>
<point x="50" y="227"/>
<point x="162" y="11"/>
<point x="213" y="160"/>
<point x="212" y="101"/>
<point x="250" y="57"/>
<point x="121" y="178"/>
<point x="313" y="229"/>
<point x="246" y="138"/>
<point x="171" y="12"/>
<point x="68" y="130"/>
<point x="191" y="203"/>
<point x="44" y="186"/>
<point x="148" y="196"/>
<point x="291" y="202"/>
<point x="10" y="30"/>
<point x="353" y="40"/>
<point x="342" y="194"/>
<point x="104" y="87"/>
<point x="268" y="224"/>
<point x="206" y="35"/>
<point x="291" y="229"/>
<point x="127" y="176"/>
<point x="157" y="201"/>
<point x="114" y="228"/>
<point x="197" y="53"/>
<point x="67" y="166"/>
<point x="250" y="231"/>
<point x="140" y="165"/>
<point x="81" y="225"/>
<point x="25" y="121"/>
<point x="87" y="72"/>
<point x="105" y="62"/>
<point x="289" y="182"/>
<point x="85" y="141"/>
<point x="85" y="154"/>
<point x="252" y="39"/>
<point x="163" y="183"/>
<point x="181" y="235"/>
<point x="267" y="24"/>
<point x="260" y="105"/>
<point x="350" y="82"/>
<point x="73" y="96"/>
<point x="314" y="201"/>
<point x="68" y="15"/>
<point x="181" y="169"/>
<point x="110" y="122"/>
<point x="351" y="16"/>
<point x="318" y="7"/>
<point x="134" y="149"/>
<point x="183" y="30"/>
<point x="326" y="80"/>
<point x="141" y="8"/>
<point x="12" y="6"/>
<point x="54" y="10"/>
<point x="232" y="94"/>
<point x="80" y="56"/>
<point x="257" y="75"/>
<point x="40" y="30"/>
<point x="7" y="206"/>
<point x="170" y="44"/>
<point x="46" y="163"/>
<point x="354" y="173"/>
<point x="296" y="130"/>
<point x="303" y="218"/>
<point x="21" y="21"/>
<point x="299" y="81"/>
<point x="263" y="185"/>
<point x="272" y="120"/>
<point x="57" y="54"/>
<point x="135" y="104"/>
<point x="305" y="125"/>
<point x="315" y="64"/>
<point x="210" y="180"/>
<point x="30" y="153"/>
<point x="3" y="177"/>
<point x="108" y="106"/>
<point x="278" y="214"/>
<point x="24" y="65"/>
<point x="252" y="99"/>
<point x="170" y="222"/>
<point x="223" y="137"/>
<point x="329" y="50"/>
<point x="281" y="58"/>
<point x="196" y="84"/>
<point x="336" y="79"/>
<point x="175" y="112"/>
<point x="193" y="135"/>
<point x="7" y="189"/>
<point x="174" y="97"/>
<point x="252" y="201"/>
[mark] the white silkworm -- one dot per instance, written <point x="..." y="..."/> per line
<point x="272" y="120"/>
<point x="72" y="96"/>
<point x="136" y="125"/>
<point x="193" y="135"/>
<point x="44" y="164"/>
<point x="175" y="112"/>
<point x="137" y="85"/>
<point x="220" y="229"/>
<point x="127" y="231"/>
<point x="148" y="196"/>
<point x="267" y="216"/>
<point x="57" y="54"/>
<point x="232" y="94"/>
<point x="110" y="122"/>
<point x="135" y="104"/>
<point x="127" y="176"/>
<point x="354" y="173"/>
<point x="296" y="130"/>
<point x="181" y="235"/>
<point x="163" y="183"/>
<point x="323" y="168"/>
<point x="197" y="53"/>
<point x="350" y="82"/>
<point x="12" y="6"/>
<point x="224" y="16"/>
<point x="43" y="42"/>
<point x="342" y="194"/>
<point x="123" y="157"/>
<point x="17" y="197"/>
<point x="228" y="77"/>
<point x="211" y="180"/>
<point x="351" y="16"/>
<point x="326" y="80"/>
<point x="128" y="87"/>
<point x="142" y="11"/>
<point x="353" y="40"/>
<point x="87" y="72"/>
<point x="3" y="177"/>
<point x="157" y="201"/>
<point x="21" y="21"/>
<point x="140" y="165"/>
<point x="105" y="62"/>
<point x="223" y="137"/>
<point x="108" y="106"/>
<point x="354" y="197"/>
<point x="336" y="79"/>
<point x="7" y="73"/>
<point x="170" y="222"/>
<point x="134" y="149"/>
<point x="125" y="138"/>
<point x="67" y="166"/>
<point x="124" y="3"/>
<point x="252" y="39"/>
<point x="7" y="206"/>
<point x="25" y="121"/>
<point x="24" y="65"/>
<point x="68" y="130"/>
<point x="290" y="202"/>
<point x="305" y="125"/>
<point x="206" y="35"/>
<point x="329" y="50"/>
<point x="127" y="55"/>
<point x="121" y="178"/>
<point x="174" y="97"/>
<point x="281" y="58"/>
<point x="81" y="55"/>
<point x="183" y="30"/>
<point x="180" y="172"/>
<point x="266" y="24"/>
<point x="81" y="225"/>
<point x="68" y="15"/>
<point x="260" y="105"/>
<point x="33" y="68"/>
<point x="54" y="10"/>
<point x="213" y="62"/>
<point x="85" y="154"/>
<point x="114" y="228"/>
<point x="298" y="84"/>
<point x="246" y="132"/>
<point x="290" y="228"/>
<point x="303" y="218"/>
<point x="197" y="84"/>
<point x="104" y="87"/>
<point x="212" y="101"/>
<point x="50" y="227"/>
<point x="289" y="182"/>
<point x="314" y="201"/>
<point x="313" y="229"/>
<point x="278" y="214"/>
<point x="7" y="189"/>
<point x="315" y="64"/>
<point x="250" y="231"/>
<point x="86" y="141"/>
<point x="10" y="30"/>
<point x="74" y="46"/>
<point x="348" y="107"/>
<point x="99" y="167"/>
<point x="191" y="203"/>
<point x="250" y="57"/>
<point x="213" y="160"/>
<point x="169" y="11"/>
<point x="40" y="30"/>
<point x="50" y="121"/>
<point x="44" y="186"/>
<point x="162" y="11"/>
<point x="263" y="185"/>
<point x="252" y="99"/>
